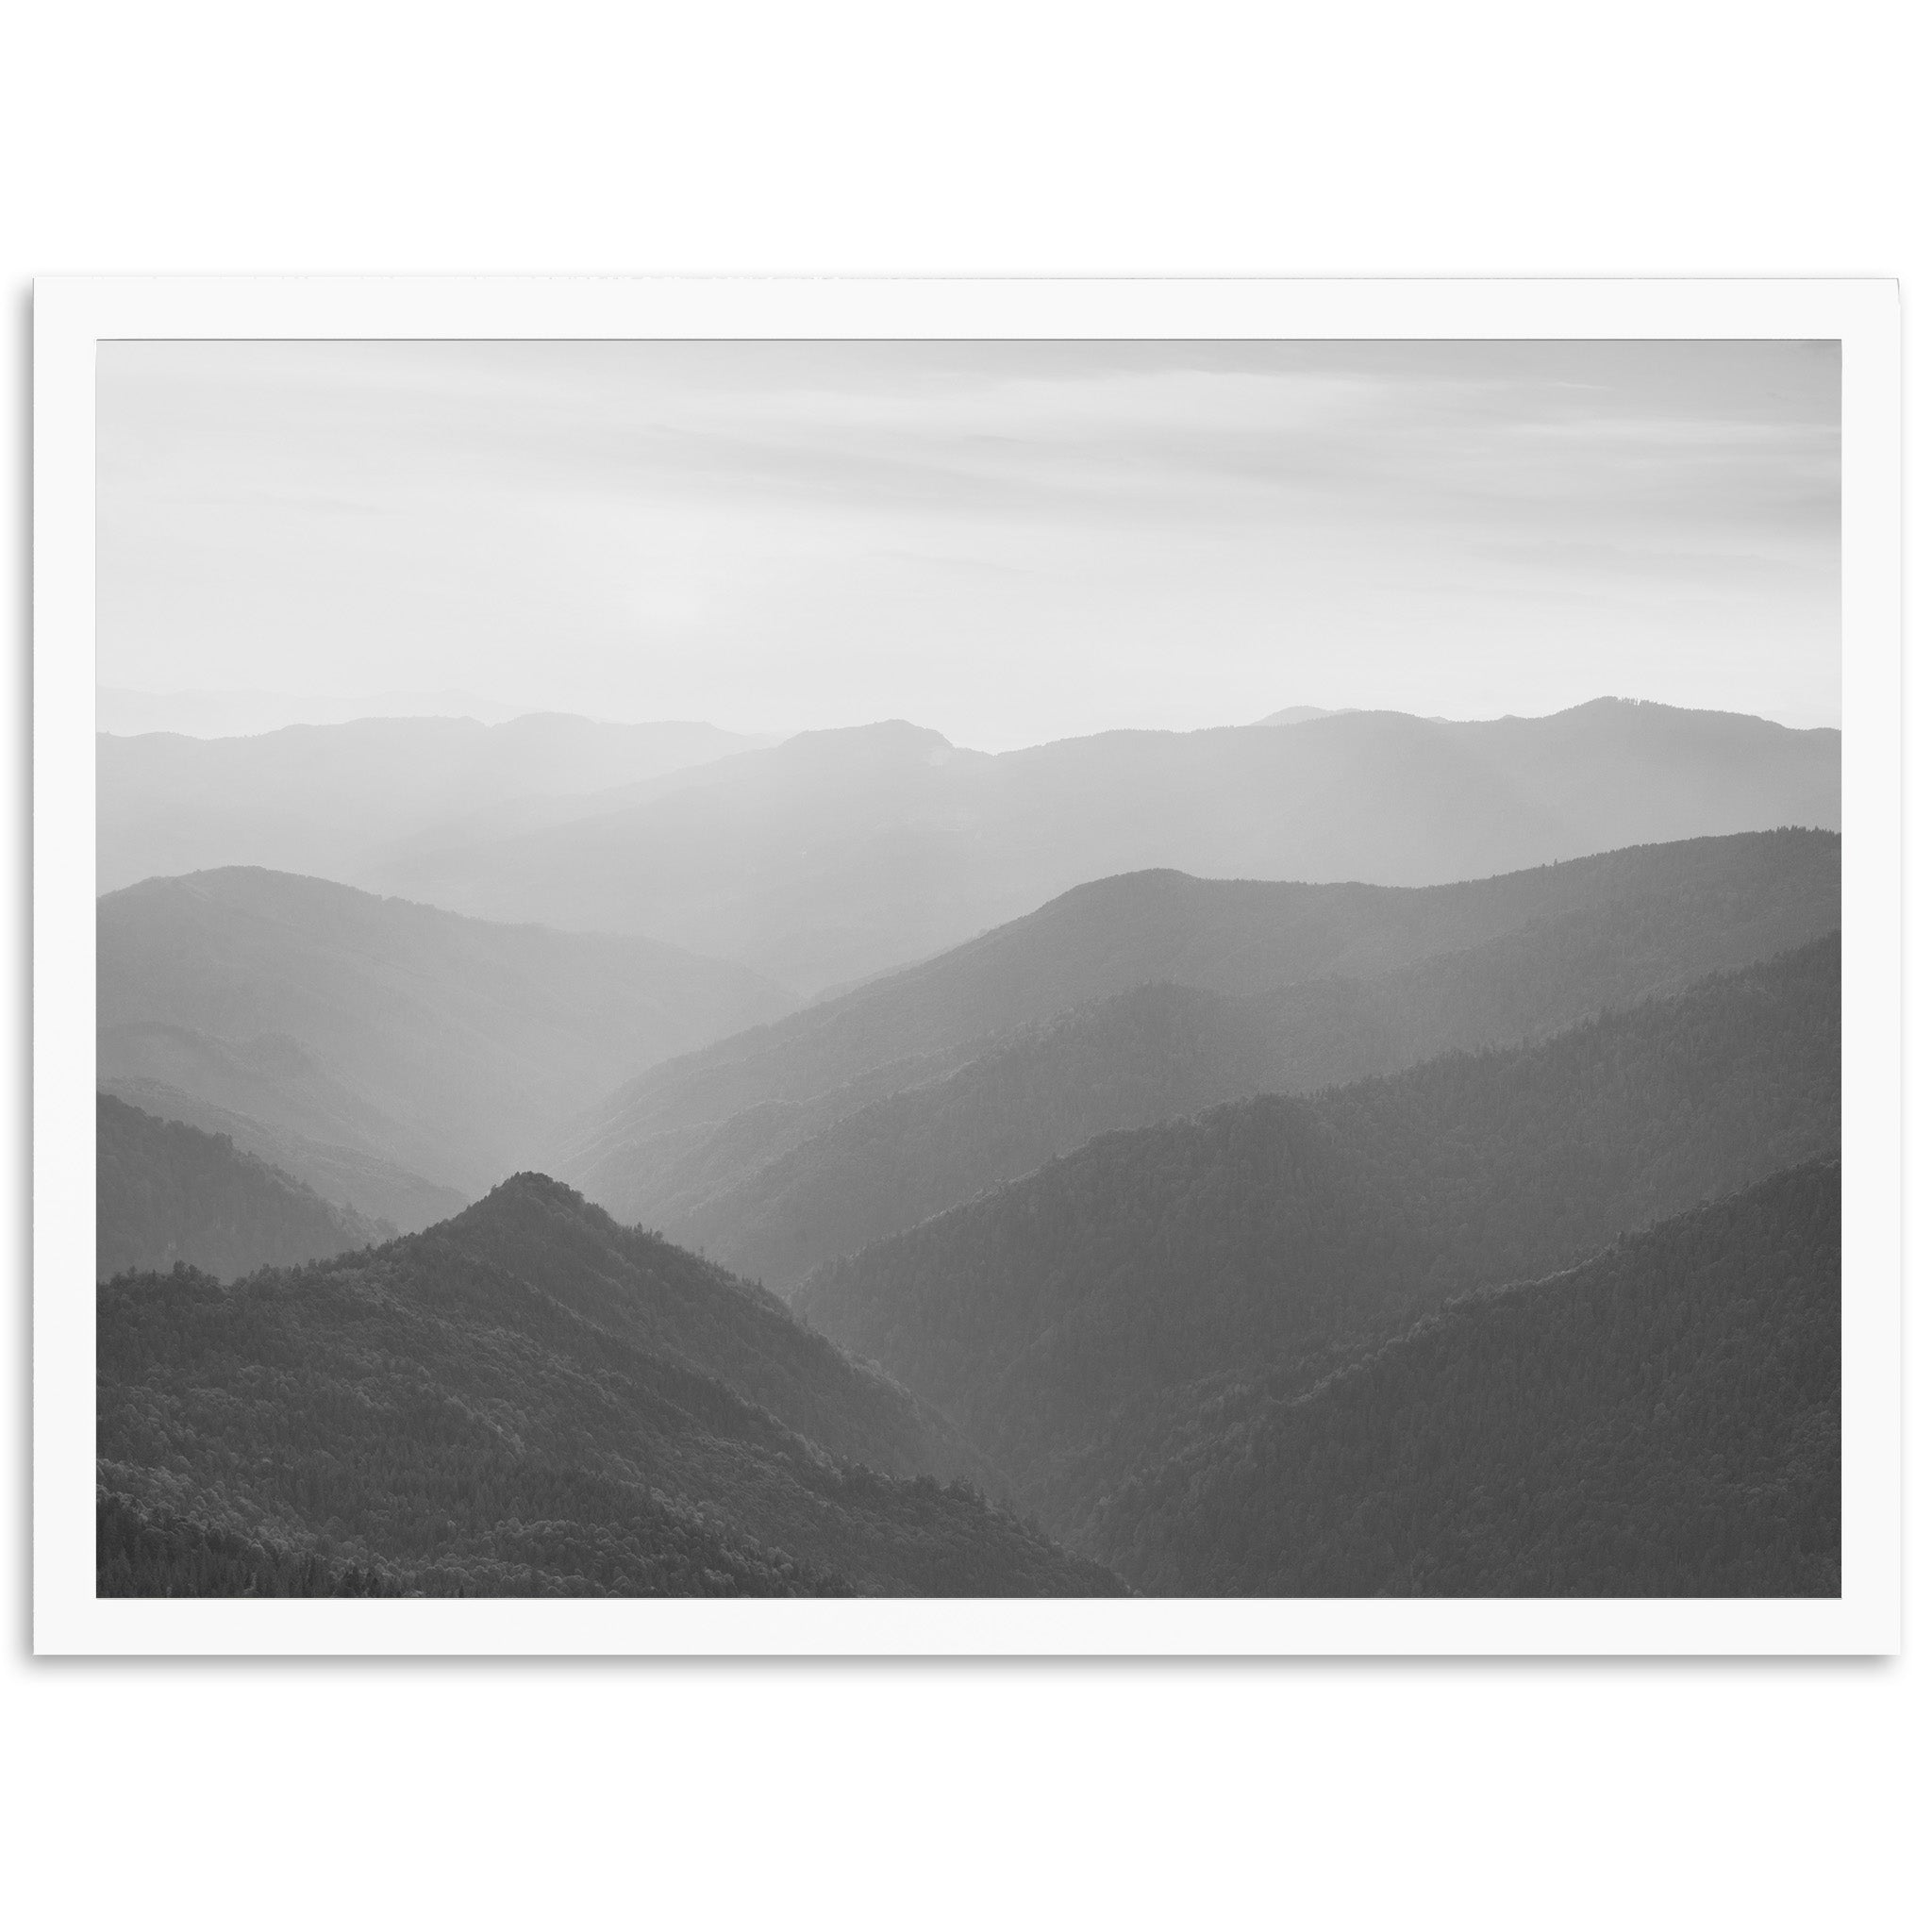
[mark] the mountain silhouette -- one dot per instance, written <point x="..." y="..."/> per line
<point x="449" y="1046"/>
<point x="324" y="799"/>
<point x="1134" y="999"/>
<point x="1079" y="1322"/>
<point x="168" y="1193"/>
<point x="376" y="1189"/>
<point x="836" y="855"/>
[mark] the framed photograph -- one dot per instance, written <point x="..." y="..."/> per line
<point x="966" y="967"/>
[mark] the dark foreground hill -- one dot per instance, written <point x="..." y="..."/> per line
<point x="166" y="1193"/>
<point x="841" y="854"/>
<point x="783" y="1148"/>
<point x="1662" y="1421"/>
<point x="528" y="1399"/>
<point x="1073" y="1324"/>
<point x="447" y="1046"/>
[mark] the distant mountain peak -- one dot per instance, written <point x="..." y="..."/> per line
<point x="1654" y="712"/>
<point x="1303" y="714"/>
<point x="890" y="737"/>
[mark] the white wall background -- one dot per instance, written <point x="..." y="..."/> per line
<point x="1677" y="138"/>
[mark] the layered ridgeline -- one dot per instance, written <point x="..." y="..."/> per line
<point x="365" y="1184"/>
<point x="526" y="1399"/>
<point x="780" y="1149"/>
<point x="1662" y="1421"/>
<point x="325" y="799"/>
<point x="1083" y="1321"/>
<point x="165" y="1194"/>
<point x="445" y="1046"/>
<point x="841" y="854"/>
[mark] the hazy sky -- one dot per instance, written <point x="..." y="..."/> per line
<point x="1008" y="541"/>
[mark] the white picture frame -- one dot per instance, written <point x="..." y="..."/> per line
<point x="73" y="315"/>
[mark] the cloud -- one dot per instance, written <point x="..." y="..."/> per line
<point x="596" y="524"/>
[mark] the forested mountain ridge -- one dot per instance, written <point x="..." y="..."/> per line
<point x="649" y="1292"/>
<point x="1650" y="936"/>
<point x="1055" y="1314"/>
<point x="448" y="1046"/>
<point x="528" y="1399"/>
<point x="166" y="1193"/>
<point x="1663" y="1419"/>
<point x="365" y="1183"/>
<point x="837" y="853"/>
<point x="1140" y="1057"/>
<point x="785" y="1146"/>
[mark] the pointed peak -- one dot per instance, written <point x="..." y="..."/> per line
<point x="531" y="1186"/>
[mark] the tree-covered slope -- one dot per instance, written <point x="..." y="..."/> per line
<point x="526" y="1399"/>
<point x="1040" y="1091"/>
<point x="786" y="1183"/>
<point x="781" y="1187"/>
<point x="1053" y="1319"/>
<point x="166" y="1193"/>
<point x="1662" y="1421"/>
<point x="1655" y="919"/>
<point x="373" y="1186"/>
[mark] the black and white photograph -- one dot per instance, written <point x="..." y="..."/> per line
<point x="968" y="969"/>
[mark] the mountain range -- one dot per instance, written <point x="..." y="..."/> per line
<point x="1079" y="1323"/>
<point x="361" y="1183"/>
<point x="231" y="713"/>
<point x="1352" y="1154"/>
<point x="324" y="799"/>
<point x="1134" y="999"/>
<point x="450" y="1047"/>
<point x="837" y="855"/>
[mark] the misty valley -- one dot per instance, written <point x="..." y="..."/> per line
<point x="1351" y="1154"/>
